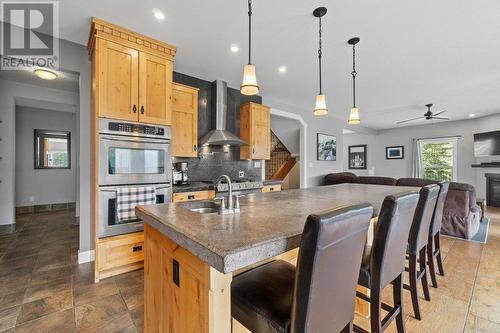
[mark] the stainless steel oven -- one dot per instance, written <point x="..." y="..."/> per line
<point x="109" y="225"/>
<point x="132" y="153"/>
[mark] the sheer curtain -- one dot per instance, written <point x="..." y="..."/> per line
<point x="416" y="159"/>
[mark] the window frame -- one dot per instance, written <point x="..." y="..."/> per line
<point x="44" y="133"/>
<point x="453" y="141"/>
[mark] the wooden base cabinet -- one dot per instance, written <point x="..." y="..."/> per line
<point x="119" y="254"/>
<point x="192" y="196"/>
<point x="184" y="121"/>
<point x="255" y="129"/>
<point x="271" y="188"/>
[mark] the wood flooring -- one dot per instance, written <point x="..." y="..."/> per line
<point x="43" y="289"/>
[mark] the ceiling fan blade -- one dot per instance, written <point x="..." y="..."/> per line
<point x="438" y="113"/>
<point x="407" y="120"/>
<point x="442" y="118"/>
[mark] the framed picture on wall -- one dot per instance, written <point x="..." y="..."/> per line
<point x="357" y="157"/>
<point x="395" y="153"/>
<point x="326" y="147"/>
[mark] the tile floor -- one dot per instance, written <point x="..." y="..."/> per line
<point x="42" y="289"/>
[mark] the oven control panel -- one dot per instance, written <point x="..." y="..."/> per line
<point x="136" y="128"/>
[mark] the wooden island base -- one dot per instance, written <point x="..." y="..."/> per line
<point x="184" y="294"/>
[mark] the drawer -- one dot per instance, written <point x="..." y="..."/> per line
<point x="191" y="196"/>
<point x="120" y="251"/>
<point x="272" y="188"/>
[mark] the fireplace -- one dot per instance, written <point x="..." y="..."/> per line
<point x="493" y="189"/>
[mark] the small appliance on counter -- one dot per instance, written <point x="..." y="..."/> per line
<point x="180" y="173"/>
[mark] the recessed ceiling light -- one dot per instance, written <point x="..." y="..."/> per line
<point x="158" y="14"/>
<point x="472" y="115"/>
<point x="235" y="48"/>
<point x="45" y="74"/>
<point x="282" y="69"/>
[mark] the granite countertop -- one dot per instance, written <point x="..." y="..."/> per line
<point x="193" y="187"/>
<point x="268" y="225"/>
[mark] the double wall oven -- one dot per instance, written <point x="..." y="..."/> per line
<point x="131" y="155"/>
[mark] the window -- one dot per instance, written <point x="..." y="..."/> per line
<point x="438" y="159"/>
<point x="52" y="149"/>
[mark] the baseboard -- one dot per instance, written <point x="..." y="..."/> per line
<point x="7" y="228"/>
<point x="45" y="208"/>
<point x="86" y="256"/>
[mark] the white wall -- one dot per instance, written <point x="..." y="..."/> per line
<point x="72" y="57"/>
<point x="403" y="136"/>
<point x="288" y="131"/>
<point x="44" y="185"/>
<point x="329" y="124"/>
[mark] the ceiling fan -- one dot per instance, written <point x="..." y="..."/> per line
<point x="428" y="115"/>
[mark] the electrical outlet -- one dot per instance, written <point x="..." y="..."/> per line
<point x="256" y="164"/>
<point x="241" y="173"/>
<point x="32" y="199"/>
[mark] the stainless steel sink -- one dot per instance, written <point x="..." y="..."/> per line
<point x="202" y="207"/>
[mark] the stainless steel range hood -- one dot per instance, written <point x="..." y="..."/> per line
<point x="220" y="136"/>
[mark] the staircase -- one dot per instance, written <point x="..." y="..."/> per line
<point x="281" y="162"/>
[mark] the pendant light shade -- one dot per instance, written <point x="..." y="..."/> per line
<point x="320" y="108"/>
<point x="354" y="118"/>
<point x="249" y="85"/>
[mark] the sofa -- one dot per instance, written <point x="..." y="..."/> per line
<point x="461" y="215"/>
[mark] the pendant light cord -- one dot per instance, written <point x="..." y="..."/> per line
<point x="320" y="53"/>
<point x="249" y="32"/>
<point x="354" y="73"/>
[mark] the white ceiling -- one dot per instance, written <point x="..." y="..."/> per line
<point x="65" y="81"/>
<point x="411" y="52"/>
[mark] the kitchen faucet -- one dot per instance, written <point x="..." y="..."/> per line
<point x="229" y="208"/>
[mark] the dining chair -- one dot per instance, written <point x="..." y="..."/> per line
<point x="316" y="296"/>
<point x="383" y="261"/>
<point x="434" y="243"/>
<point x="417" y="245"/>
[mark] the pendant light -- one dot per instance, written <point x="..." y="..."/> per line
<point x="320" y="108"/>
<point x="249" y="85"/>
<point x="354" y="115"/>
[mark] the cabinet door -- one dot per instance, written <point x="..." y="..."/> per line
<point x="155" y="89"/>
<point x="260" y="132"/>
<point x="184" y="121"/>
<point x="118" y="70"/>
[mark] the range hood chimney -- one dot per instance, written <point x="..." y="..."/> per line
<point x="220" y="136"/>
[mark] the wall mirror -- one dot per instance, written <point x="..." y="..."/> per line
<point x="52" y="149"/>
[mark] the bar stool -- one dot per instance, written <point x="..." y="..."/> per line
<point x="384" y="261"/>
<point x="318" y="295"/>
<point x="433" y="244"/>
<point x="417" y="245"/>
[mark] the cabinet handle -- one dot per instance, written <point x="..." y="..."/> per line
<point x="194" y="147"/>
<point x="175" y="275"/>
<point x="191" y="197"/>
<point x="253" y="150"/>
<point x="142" y="109"/>
<point x="137" y="248"/>
<point x="134" y="109"/>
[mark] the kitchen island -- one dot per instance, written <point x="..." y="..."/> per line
<point x="190" y="257"/>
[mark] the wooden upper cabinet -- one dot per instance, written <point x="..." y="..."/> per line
<point x="184" y="121"/>
<point x="255" y="129"/>
<point x="134" y="74"/>
<point x="118" y="69"/>
<point x="155" y="89"/>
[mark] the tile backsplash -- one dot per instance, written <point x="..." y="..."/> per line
<point x="214" y="161"/>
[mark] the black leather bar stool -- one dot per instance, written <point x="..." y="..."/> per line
<point x="417" y="245"/>
<point x="384" y="261"/>
<point x="316" y="297"/>
<point x="434" y="243"/>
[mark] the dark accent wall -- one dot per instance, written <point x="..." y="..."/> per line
<point x="209" y="166"/>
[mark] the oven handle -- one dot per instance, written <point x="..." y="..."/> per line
<point x="113" y="189"/>
<point x="135" y="139"/>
